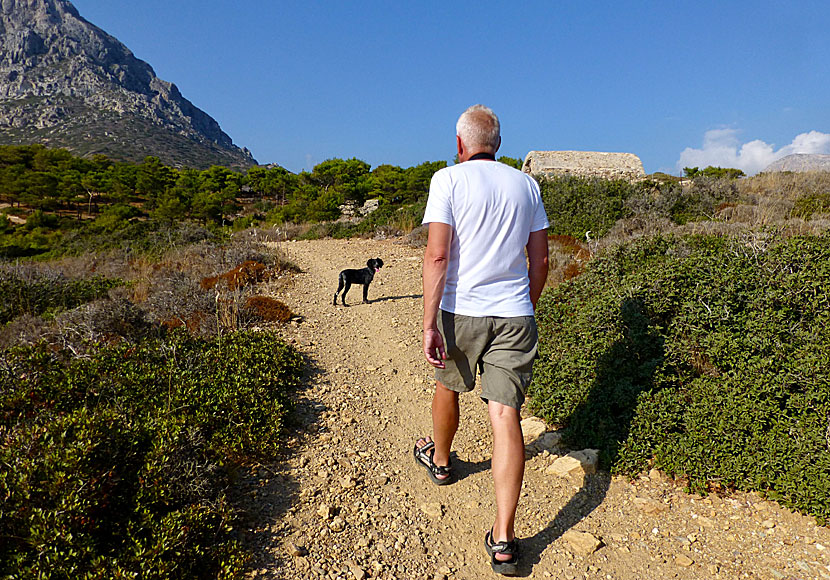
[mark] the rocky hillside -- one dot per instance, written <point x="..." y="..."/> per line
<point x="66" y="83"/>
<point x="800" y="162"/>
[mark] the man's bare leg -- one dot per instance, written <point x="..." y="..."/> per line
<point x="508" y="469"/>
<point x="445" y="416"/>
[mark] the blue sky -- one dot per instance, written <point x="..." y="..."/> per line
<point x="677" y="83"/>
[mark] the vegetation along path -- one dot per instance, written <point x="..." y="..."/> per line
<point x="349" y="502"/>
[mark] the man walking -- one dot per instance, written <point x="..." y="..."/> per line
<point x="484" y="268"/>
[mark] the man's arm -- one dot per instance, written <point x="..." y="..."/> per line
<point x="436" y="258"/>
<point x="537" y="257"/>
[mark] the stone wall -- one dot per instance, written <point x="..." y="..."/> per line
<point x="584" y="164"/>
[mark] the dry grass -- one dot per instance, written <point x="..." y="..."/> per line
<point x="567" y="258"/>
<point x="203" y="287"/>
<point x="246" y="274"/>
<point x="789" y="186"/>
<point x="403" y="222"/>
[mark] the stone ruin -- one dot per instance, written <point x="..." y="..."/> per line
<point x="584" y="164"/>
<point x="350" y="212"/>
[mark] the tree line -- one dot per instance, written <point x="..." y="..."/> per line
<point x="53" y="179"/>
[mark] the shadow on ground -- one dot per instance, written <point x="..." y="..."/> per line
<point x="407" y="296"/>
<point x="603" y="420"/>
<point x="264" y="491"/>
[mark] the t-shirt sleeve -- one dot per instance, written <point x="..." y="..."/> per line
<point x="540" y="218"/>
<point x="439" y="205"/>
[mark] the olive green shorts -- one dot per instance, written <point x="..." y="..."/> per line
<point x="502" y="349"/>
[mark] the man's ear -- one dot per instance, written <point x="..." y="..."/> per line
<point x="459" y="146"/>
<point x="499" y="145"/>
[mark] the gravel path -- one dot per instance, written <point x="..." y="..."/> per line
<point x="350" y="503"/>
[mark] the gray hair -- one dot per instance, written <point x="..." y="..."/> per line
<point x="479" y="127"/>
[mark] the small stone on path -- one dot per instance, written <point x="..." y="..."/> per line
<point x="650" y="506"/>
<point x="325" y="511"/>
<point x="581" y="543"/>
<point x="684" y="561"/>
<point x="575" y="463"/>
<point x="433" y="510"/>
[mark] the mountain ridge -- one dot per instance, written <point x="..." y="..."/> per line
<point x="65" y="82"/>
<point x="800" y="162"/>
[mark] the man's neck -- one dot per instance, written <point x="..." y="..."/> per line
<point x="482" y="155"/>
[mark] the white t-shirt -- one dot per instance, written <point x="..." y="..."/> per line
<point x="492" y="209"/>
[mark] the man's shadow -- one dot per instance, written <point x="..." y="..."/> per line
<point x="603" y="420"/>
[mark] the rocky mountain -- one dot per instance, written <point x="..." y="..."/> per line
<point x="66" y="83"/>
<point x="800" y="162"/>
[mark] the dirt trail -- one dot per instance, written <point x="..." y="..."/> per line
<point x="351" y="503"/>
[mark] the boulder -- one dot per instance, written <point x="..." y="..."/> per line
<point x="549" y="441"/>
<point x="533" y="429"/>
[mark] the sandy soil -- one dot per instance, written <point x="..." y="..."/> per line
<point x="349" y="501"/>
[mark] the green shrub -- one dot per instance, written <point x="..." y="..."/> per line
<point x="713" y="172"/>
<point x="40" y="219"/>
<point x="700" y="200"/>
<point x="815" y="203"/>
<point x="697" y="201"/>
<point x="115" y="465"/>
<point x="577" y="205"/>
<point x="704" y="356"/>
<point x="150" y="237"/>
<point x="243" y="223"/>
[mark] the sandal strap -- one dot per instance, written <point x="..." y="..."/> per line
<point x="428" y="452"/>
<point x="426" y="447"/>
<point x="440" y="469"/>
<point x="507" y="547"/>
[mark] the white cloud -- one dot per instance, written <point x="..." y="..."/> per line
<point x="721" y="148"/>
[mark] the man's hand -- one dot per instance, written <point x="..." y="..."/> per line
<point x="434" y="348"/>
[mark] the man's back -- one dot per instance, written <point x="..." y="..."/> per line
<point x="492" y="208"/>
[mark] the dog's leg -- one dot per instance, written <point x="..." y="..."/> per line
<point x="345" y="290"/>
<point x="342" y="281"/>
<point x="366" y="293"/>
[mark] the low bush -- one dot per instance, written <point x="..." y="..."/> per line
<point x="815" y="203"/>
<point x="577" y="205"/>
<point x="115" y="464"/>
<point x="704" y="356"/>
<point x="37" y="292"/>
<point x="147" y="237"/>
<point x="566" y="258"/>
<point x="268" y="309"/>
<point x="699" y="200"/>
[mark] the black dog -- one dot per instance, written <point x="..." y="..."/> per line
<point x="363" y="276"/>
